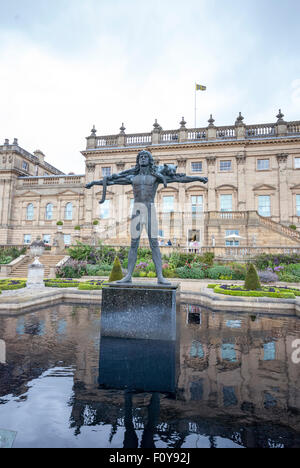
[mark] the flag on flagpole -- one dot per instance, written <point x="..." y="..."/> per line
<point x="200" y="87"/>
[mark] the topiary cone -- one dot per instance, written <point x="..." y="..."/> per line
<point x="116" y="272"/>
<point x="252" y="281"/>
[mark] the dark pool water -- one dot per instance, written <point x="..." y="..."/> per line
<point x="229" y="381"/>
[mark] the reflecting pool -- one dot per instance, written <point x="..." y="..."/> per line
<point x="230" y="380"/>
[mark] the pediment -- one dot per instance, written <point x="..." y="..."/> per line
<point x="264" y="187"/>
<point x="67" y="193"/>
<point x="30" y="193"/>
<point x="226" y="187"/>
<point x="198" y="188"/>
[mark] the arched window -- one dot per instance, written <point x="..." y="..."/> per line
<point x="69" y="211"/>
<point x="49" y="211"/>
<point x="29" y="212"/>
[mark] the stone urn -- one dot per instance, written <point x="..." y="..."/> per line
<point x="37" y="248"/>
<point x="35" y="278"/>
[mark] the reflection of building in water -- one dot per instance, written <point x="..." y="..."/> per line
<point x="2" y="352"/>
<point x="232" y="366"/>
<point x="241" y="364"/>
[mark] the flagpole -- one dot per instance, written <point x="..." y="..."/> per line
<point x="195" y="105"/>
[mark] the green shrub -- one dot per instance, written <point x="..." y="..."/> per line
<point x="142" y="274"/>
<point x="252" y="280"/>
<point x="89" y="287"/>
<point x="208" y="258"/>
<point x="232" y="292"/>
<point x="217" y="271"/>
<point x="116" y="273"/>
<point x="169" y="273"/>
<point x="12" y="284"/>
<point x="72" y="269"/>
<point x="151" y="274"/>
<point x="50" y="284"/>
<point x="292" y="226"/>
<point x="190" y="273"/>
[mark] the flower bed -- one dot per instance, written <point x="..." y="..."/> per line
<point x="6" y="285"/>
<point x="266" y="291"/>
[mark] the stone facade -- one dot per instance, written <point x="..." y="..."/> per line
<point x="253" y="188"/>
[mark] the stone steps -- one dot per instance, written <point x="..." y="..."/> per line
<point x="49" y="261"/>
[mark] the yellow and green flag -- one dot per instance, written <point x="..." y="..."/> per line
<point x="200" y="87"/>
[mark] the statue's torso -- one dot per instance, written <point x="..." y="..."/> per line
<point x="144" y="188"/>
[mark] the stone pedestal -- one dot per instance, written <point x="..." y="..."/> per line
<point x="137" y="365"/>
<point x="59" y="243"/>
<point x="140" y="311"/>
<point x="35" y="277"/>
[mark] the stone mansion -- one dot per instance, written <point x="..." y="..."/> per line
<point x="252" y="198"/>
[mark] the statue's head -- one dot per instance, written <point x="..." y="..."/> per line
<point x="144" y="158"/>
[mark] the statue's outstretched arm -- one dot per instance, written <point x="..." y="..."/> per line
<point x="185" y="179"/>
<point x="111" y="180"/>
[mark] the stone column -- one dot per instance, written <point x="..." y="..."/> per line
<point x="241" y="181"/>
<point x="211" y="185"/>
<point x="156" y="133"/>
<point x="240" y="127"/>
<point x="183" y="134"/>
<point x="90" y="174"/>
<point x="283" y="190"/>
<point x="91" y="141"/>
<point x="211" y="129"/>
<point x="281" y="125"/>
<point x="122" y="136"/>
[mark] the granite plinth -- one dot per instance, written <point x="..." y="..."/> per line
<point x="141" y="311"/>
<point x="35" y="277"/>
<point x="137" y="365"/>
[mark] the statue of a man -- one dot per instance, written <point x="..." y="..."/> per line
<point x="145" y="179"/>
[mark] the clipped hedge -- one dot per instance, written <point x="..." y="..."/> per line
<point x="233" y="292"/>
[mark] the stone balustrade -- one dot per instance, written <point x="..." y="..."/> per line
<point x="51" y="180"/>
<point x="218" y="133"/>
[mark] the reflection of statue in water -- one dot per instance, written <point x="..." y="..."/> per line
<point x="145" y="178"/>
<point x="130" y="437"/>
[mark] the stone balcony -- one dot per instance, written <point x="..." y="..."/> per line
<point x="211" y="133"/>
<point x="78" y="180"/>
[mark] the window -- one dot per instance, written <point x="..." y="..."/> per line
<point x="225" y="166"/>
<point x="269" y="351"/>
<point x="196" y="166"/>
<point x="49" y="211"/>
<point x="106" y="171"/>
<point x="263" y="164"/>
<point x="297" y="163"/>
<point x="27" y="238"/>
<point x="168" y="204"/>
<point x="225" y="203"/>
<point x="25" y="166"/>
<point x="298" y="205"/>
<point x="264" y="205"/>
<point x="228" y="352"/>
<point x="69" y="212"/>
<point x="229" y="397"/>
<point x="197" y="205"/>
<point x="30" y="212"/>
<point x="47" y="238"/>
<point x="67" y="239"/>
<point x="232" y="242"/>
<point x="105" y="210"/>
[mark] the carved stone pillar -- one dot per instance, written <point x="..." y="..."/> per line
<point x="241" y="181"/>
<point x="211" y="185"/>
<point x="90" y="175"/>
<point x="283" y="190"/>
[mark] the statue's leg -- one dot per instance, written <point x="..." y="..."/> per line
<point x="132" y="256"/>
<point x="152" y="231"/>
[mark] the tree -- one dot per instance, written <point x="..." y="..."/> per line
<point x="116" y="272"/>
<point x="252" y="281"/>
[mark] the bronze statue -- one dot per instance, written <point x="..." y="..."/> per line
<point x="145" y="178"/>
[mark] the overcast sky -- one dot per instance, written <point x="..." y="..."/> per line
<point x="66" y="65"/>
